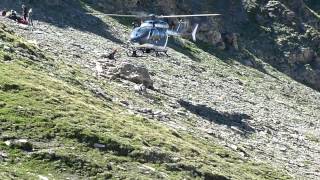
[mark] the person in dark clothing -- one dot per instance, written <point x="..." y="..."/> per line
<point x="4" y="13"/>
<point x="112" y="54"/>
<point x="13" y="15"/>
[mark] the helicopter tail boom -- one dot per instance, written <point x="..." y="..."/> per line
<point x="193" y="33"/>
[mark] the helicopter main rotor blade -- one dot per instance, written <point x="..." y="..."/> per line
<point x="192" y="15"/>
<point x="155" y="16"/>
<point x="116" y="15"/>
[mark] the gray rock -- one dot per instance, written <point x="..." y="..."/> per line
<point x="145" y="110"/>
<point x="3" y="156"/>
<point x="133" y="73"/>
<point x="248" y="62"/>
<point x="126" y="103"/>
<point x="6" y="57"/>
<point x="163" y="175"/>
<point x="140" y="89"/>
<point x="7" y="48"/>
<point x="23" y="144"/>
<point x="121" y="168"/>
<point x="43" y="177"/>
<point x="8" y="143"/>
<point x="303" y="56"/>
<point x="2" y="104"/>
<point x="147" y="169"/>
<point x="99" y="146"/>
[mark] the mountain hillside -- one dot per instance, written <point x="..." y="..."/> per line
<point x="212" y="110"/>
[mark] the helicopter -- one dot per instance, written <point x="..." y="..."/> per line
<point x="152" y="35"/>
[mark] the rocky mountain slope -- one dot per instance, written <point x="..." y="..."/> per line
<point x="67" y="112"/>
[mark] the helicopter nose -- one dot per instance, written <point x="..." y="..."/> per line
<point x="134" y="39"/>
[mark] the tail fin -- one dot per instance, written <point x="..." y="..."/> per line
<point x="194" y="32"/>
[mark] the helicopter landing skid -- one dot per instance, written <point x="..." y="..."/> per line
<point x="158" y="53"/>
<point x="141" y="50"/>
<point x="135" y="53"/>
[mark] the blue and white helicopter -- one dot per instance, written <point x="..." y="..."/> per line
<point x="153" y="34"/>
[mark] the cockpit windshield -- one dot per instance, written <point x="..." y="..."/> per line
<point x="139" y="32"/>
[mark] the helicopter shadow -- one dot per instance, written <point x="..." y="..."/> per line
<point x="222" y="118"/>
<point x="71" y="14"/>
<point x="183" y="50"/>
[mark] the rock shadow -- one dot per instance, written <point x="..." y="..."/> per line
<point x="223" y="118"/>
<point x="183" y="51"/>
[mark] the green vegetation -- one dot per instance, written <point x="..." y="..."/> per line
<point x="313" y="137"/>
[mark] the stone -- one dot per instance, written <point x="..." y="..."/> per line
<point x="43" y="177"/>
<point x="126" y="103"/>
<point x="211" y="132"/>
<point x="175" y="133"/>
<point x="104" y="96"/>
<point x="211" y="176"/>
<point x="140" y="89"/>
<point x="221" y="46"/>
<point x="283" y="149"/>
<point x="8" y="143"/>
<point x="133" y="73"/>
<point x="99" y="146"/>
<point x="7" y="48"/>
<point x="3" y="154"/>
<point x="290" y="15"/>
<point x="23" y="144"/>
<point x="233" y="147"/>
<point x="317" y="60"/>
<point x="302" y="56"/>
<point x="2" y="104"/>
<point x="145" y="110"/>
<point x="308" y="54"/>
<point x="163" y="175"/>
<point x="248" y="62"/>
<point x="231" y="40"/>
<point x="6" y="57"/>
<point x="121" y="168"/>
<point x="147" y="169"/>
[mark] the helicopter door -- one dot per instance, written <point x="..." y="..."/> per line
<point x="155" y="34"/>
<point x="158" y="37"/>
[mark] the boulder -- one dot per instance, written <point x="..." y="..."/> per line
<point x="307" y="54"/>
<point x="6" y="57"/>
<point x="302" y="56"/>
<point x="99" y="146"/>
<point x="23" y="144"/>
<point x="43" y="177"/>
<point x="230" y="40"/>
<point x="2" y="104"/>
<point x="211" y="36"/>
<point x="141" y="89"/>
<point x="133" y="73"/>
<point x="317" y="60"/>
<point x="277" y="10"/>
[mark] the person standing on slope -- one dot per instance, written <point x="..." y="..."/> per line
<point x="25" y="13"/>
